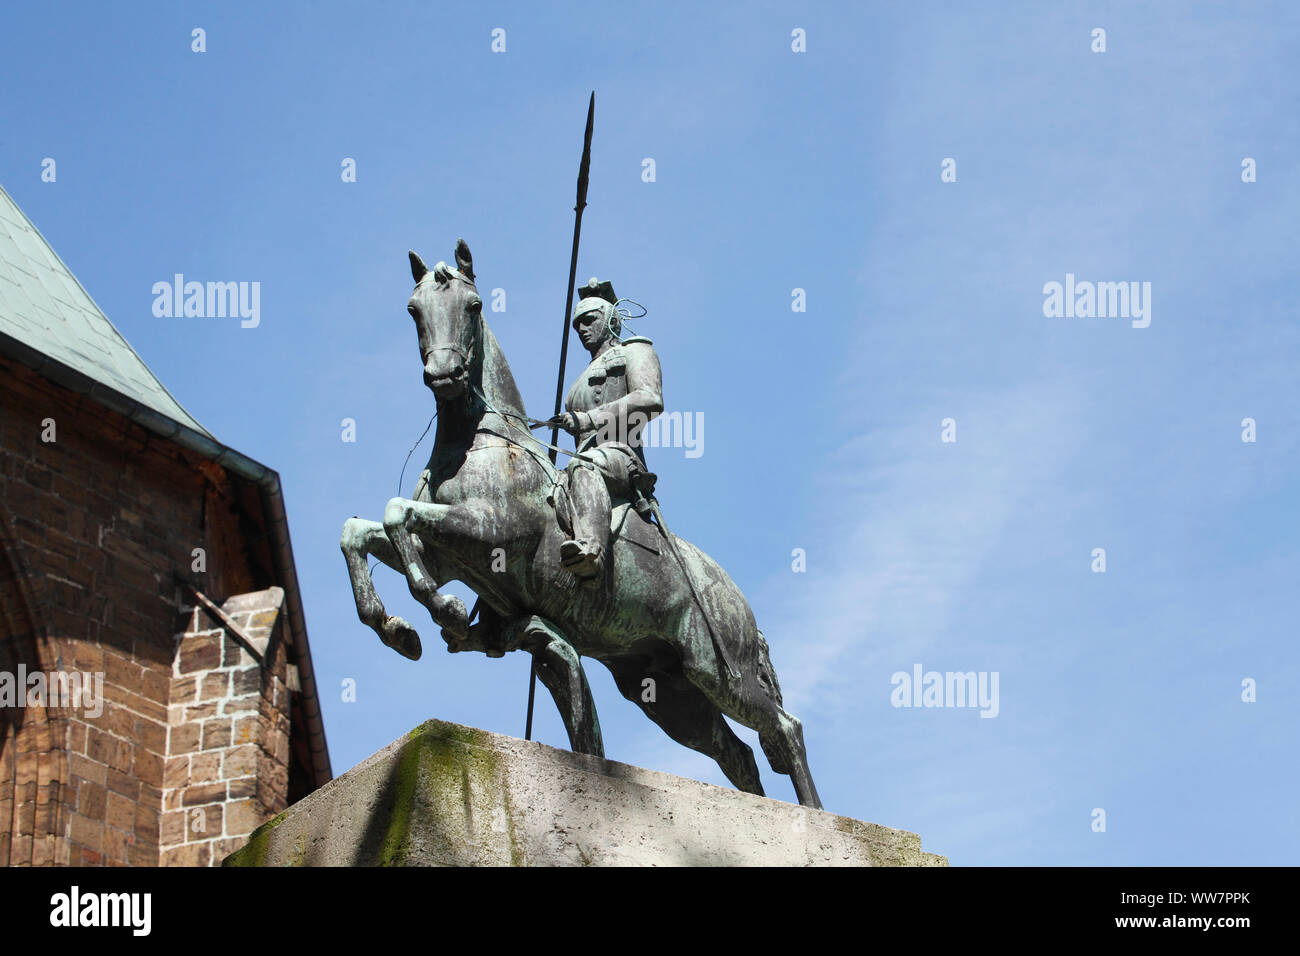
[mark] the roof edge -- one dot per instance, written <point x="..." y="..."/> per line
<point x="91" y="299"/>
<point x="268" y="483"/>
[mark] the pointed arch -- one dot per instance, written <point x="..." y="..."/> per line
<point x="33" y="740"/>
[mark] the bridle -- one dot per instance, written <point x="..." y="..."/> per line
<point x="443" y="275"/>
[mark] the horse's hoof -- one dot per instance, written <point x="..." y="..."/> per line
<point x="401" y="637"/>
<point x="454" y="618"/>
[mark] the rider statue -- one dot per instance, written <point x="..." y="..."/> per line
<point x="607" y="408"/>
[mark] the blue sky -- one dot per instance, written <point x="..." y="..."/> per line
<point x="775" y="170"/>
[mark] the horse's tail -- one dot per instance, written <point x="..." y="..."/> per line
<point x="767" y="680"/>
<point x="766" y="672"/>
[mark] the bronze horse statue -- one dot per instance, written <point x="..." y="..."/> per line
<point x="484" y="513"/>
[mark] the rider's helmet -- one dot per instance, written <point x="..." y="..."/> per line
<point x="597" y="296"/>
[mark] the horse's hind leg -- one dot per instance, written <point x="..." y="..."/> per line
<point x="558" y="665"/>
<point x="690" y="718"/>
<point x="746" y="700"/>
<point x="787" y="740"/>
<point x="560" y="670"/>
<point x="361" y="539"/>
<point x="779" y="731"/>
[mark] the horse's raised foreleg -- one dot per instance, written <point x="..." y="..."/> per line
<point x="404" y="519"/>
<point x="361" y="539"/>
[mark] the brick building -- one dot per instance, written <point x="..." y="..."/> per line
<point x="157" y="700"/>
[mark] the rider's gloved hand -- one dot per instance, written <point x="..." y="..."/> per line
<point x="568" y="421"/>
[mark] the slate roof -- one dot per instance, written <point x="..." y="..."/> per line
<point x="44" y="306"/>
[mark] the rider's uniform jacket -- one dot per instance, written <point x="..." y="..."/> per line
<point x="623" y="380"/>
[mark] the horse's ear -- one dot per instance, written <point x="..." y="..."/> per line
<point x="464" y="261"/>
<point x="418" y="268"/>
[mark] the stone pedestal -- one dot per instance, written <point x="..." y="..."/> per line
<point x="447" y="795"/>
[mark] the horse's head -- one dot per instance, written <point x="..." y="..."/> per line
<point x="448" y="317"/>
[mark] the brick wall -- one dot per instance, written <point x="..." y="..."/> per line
<point x="94" y="526"/>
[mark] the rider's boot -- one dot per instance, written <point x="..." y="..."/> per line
<point x="583" y="555"/>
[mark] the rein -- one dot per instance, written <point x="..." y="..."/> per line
<point x="531" y="423"/>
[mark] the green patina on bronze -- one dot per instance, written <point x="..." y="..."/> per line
<point x="568" y="563"/>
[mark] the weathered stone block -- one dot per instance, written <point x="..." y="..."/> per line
<point x="452" y="795"/>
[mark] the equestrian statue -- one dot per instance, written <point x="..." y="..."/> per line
<point x="569" y="563"/>
<point x="574" y="562"/>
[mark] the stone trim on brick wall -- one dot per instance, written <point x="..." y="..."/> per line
<point x="228" y="731"/>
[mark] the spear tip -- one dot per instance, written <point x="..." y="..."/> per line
<point x="585" y="166"/>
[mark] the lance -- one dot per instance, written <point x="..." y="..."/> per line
<point x="584" y="168"/>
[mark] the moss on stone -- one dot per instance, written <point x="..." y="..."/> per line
<point x="393" y="850"/>
<point x="253" y="853"/>
<point x="441" y="762"/>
